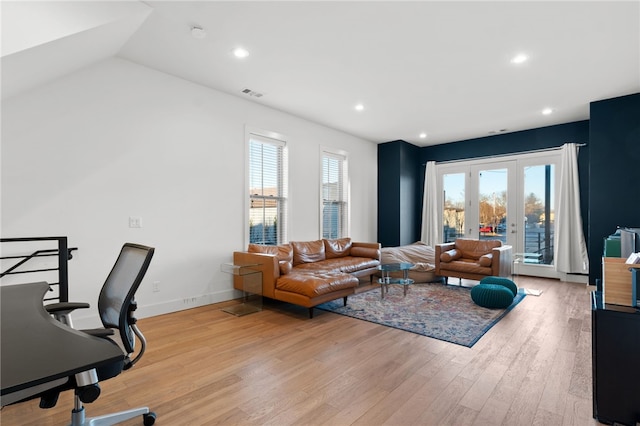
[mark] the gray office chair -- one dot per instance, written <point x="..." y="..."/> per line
<point x="116" y="306"/>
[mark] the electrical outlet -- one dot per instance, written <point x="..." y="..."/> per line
<point x="156" y="286"/>
<point x="135" y="222"/>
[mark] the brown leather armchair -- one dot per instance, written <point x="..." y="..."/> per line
<point x="473" y="259"/>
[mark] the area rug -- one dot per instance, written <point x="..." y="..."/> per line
<point x="443" y="312"/>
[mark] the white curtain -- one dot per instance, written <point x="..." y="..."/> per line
<point x="430" y="206"/>
<point x="570" y="249"/>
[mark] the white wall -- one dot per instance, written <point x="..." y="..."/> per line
<point x="113" y="140"/>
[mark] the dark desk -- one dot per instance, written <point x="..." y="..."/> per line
<point x="36" y="350"/>
<point x="616" y="362"/>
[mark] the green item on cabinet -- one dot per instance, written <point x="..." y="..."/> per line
<point x="612" y="246"/>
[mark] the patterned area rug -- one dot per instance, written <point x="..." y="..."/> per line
<point x="434" y="310"/>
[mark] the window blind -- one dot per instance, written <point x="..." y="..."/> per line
<point x="334" y="195"/>
<point x="267" y="190"/>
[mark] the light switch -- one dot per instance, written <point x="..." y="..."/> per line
<point x="135" y="222"/>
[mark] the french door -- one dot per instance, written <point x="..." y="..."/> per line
<point x="511" y="199"/>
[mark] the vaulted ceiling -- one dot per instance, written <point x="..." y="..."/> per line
<point x="444" y="69"/>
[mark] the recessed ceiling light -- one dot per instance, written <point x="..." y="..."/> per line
<point x="359" y="107"/>
<point x="519" y="58"/>
<point x="198" y="32"/>
<point x="240" y="52"/>
<point x="423" y="135"/>
<point x="547" y="111"/>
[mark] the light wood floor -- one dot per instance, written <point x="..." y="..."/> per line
<point x="206" y="367"/>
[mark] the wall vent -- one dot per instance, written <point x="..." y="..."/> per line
<point x="252" y="93"/>
<point x="493" y="132"/>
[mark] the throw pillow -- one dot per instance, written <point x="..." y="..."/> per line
<point x="307" y="251"/>
<point x="337" y="248"/>
<point x="485" y="259"/>
<point x="283" y="252"/>
<point x="285" y="267"/>
<point x="450" y="255"/>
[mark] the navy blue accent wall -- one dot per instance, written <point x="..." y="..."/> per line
<point x="614" y="172"/>
<point x="400" y="220"/>
<point x="517" y="142"/>
<point x="399" y="198"/>
<point x="509" y="143"/>
<point x="389" y="193"/>
<point x="609" y="172"/>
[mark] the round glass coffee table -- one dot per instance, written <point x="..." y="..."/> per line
<point x="388" y="280"/>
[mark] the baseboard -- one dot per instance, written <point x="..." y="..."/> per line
<point x="165" y="307"/>
<point x="185" y="303"/>
<point x="575" y="278"/>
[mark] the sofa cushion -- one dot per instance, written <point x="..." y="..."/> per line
<point x="348" y="264"/>
<point x="468" y="266"/>
<point x="485" y="259"/>
<point x="283" y="252"/>
<point x="450" y="255"/>
<point x="285" y="267"/>
<point x="473" y="249"/>
<point x="316" y="283"/>
<point x="337" y="248"/>
<point x="307" y="251"/>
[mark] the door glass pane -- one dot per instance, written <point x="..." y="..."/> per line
<point x="539" y="213"/>
<point x="492" y="204"/>
<point x="453" y="212"/>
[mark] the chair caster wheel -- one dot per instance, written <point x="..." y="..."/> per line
<point x="149" y="418"/>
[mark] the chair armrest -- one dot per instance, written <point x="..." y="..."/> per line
<point x="61" y="311"/>
<point x="441" y="248"/>
<point x="502" y="261"/>
<point x="99" y="332"/>
<point x="65" y="307"/>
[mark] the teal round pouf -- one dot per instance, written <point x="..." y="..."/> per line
<point x="493" y="296"/>
<point x="505" y="282"/>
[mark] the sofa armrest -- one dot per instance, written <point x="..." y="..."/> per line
<point x="441" y="248"/>
<point x="268" y="265"/>
<point x="502" y="261"/>
<point x="372" y="248"/>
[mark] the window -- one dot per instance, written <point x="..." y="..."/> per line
<point x="511" y="199"/>
<point x="267" y="190"/>
<point x="453" y="195"/>
<point x="334" y="215"/>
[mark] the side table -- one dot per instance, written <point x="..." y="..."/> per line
<point x="387" y="279"/>
<point x="251" y="278"/>
<point x="520" y="259"/>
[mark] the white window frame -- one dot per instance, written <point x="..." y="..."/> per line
<point x="277" y="139"/>
<point x="343" y="183"/>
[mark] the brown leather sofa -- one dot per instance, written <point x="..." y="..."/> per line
<point x="308" y="273"/>
<point x="473" y="259"/>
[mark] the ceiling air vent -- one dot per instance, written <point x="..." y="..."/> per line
<point x="252" y="93"/>
<point x="493" y="132"/>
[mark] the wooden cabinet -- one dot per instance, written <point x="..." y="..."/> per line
<point x="616" y="362"/>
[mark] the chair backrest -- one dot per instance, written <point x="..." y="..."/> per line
<point x="116" y="301"/>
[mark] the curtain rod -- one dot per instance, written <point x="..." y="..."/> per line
<point x="506" y="155"/>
